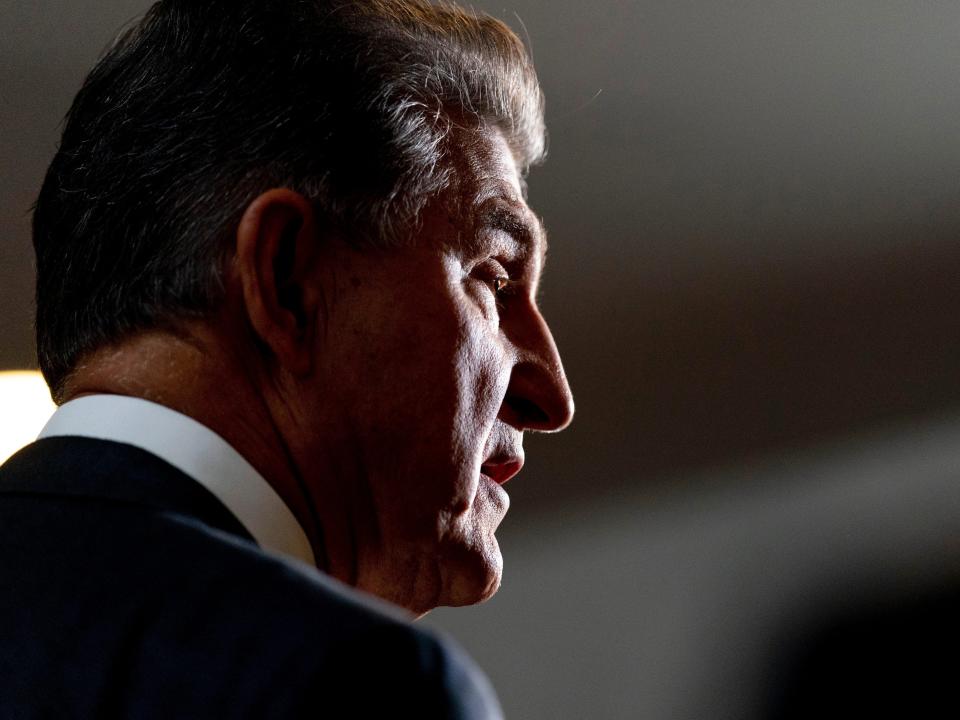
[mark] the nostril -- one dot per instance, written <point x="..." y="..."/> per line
<point x="527" y="411"/>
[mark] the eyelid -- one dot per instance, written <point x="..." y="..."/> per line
<point x="492" y="267"/>
<point x="493" y="272"/>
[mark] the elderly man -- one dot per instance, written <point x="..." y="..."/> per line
<point x="286" y="299"/>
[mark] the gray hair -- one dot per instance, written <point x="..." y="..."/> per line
<point x="201" y="106"/>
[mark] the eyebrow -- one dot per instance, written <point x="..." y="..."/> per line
<point x="519" y="222"/>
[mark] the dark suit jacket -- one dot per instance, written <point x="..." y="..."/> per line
<point x="128" y="590"/>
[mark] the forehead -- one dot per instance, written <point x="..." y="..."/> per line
<point x="487" y="193"/>
<point x="483" y="162"/>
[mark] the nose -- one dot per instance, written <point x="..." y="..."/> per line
<point x="538" y="396"/>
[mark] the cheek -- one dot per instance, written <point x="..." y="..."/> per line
<point x="432" y="382"/>
<point x="428" y="382"/>
<point x="459" y="368"/>
<point x="482" y="374"/>
<point x="481" y="377"/>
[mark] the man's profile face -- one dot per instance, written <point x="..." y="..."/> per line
<point x="436" y="359"/>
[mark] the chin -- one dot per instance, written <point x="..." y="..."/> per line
<point x="474" y="575"/>
<point x="471" y="562"/>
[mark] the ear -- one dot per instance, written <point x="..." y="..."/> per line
<point x="276" y="257"/>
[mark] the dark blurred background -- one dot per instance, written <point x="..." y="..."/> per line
<point x="753" y="210"/>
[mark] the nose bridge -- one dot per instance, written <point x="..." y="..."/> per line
<point x="538" y="392"/>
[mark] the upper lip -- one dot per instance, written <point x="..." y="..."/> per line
<point x="501" y="467"/>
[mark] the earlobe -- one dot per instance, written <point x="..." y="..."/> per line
<point x="276" y="257"/>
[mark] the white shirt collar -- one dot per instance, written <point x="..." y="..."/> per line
<point x="195" y="450"/>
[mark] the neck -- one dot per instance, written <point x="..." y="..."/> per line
<point x="192" y="372"/>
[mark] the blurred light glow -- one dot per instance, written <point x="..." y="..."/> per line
<point x="25" y="407"/>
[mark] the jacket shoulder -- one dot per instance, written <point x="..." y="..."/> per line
<point x="112" y="609"/>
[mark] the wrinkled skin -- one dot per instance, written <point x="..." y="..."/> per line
<point x="383" y="394"/>
<point x="427" y="374"/>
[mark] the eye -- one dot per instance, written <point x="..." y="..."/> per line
<point x="503" y="288"/>
<point x="498" y="278"/>
<point x="495" y="277"/>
